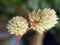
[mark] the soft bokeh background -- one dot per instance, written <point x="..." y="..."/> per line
<point x="10" y="8"/>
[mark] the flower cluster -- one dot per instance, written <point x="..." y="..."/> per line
<point x="43" y="20"/>
<point x="40" y="21"/>
<point x="18" y="25"/>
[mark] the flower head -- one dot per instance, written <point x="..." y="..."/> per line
<point x="43" y="20"/>
<point x="17" y="25"/>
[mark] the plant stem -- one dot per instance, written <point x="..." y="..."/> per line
<point x="37" y="39"/>
<point x="19" y="37"/>
<point x="17" y="40"/>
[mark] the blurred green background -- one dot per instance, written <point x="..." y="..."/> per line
<point x="8" y="9"/>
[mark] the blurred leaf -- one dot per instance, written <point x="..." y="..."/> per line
<point x="22" y="12"/>
<point x="33" y="4"/>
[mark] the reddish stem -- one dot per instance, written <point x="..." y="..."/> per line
<point x="17" y="40"/>
<point x="28" y="29"/>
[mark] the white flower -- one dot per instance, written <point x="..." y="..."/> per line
<point x="17" y="25"/>
<point x="43" y="20"/>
